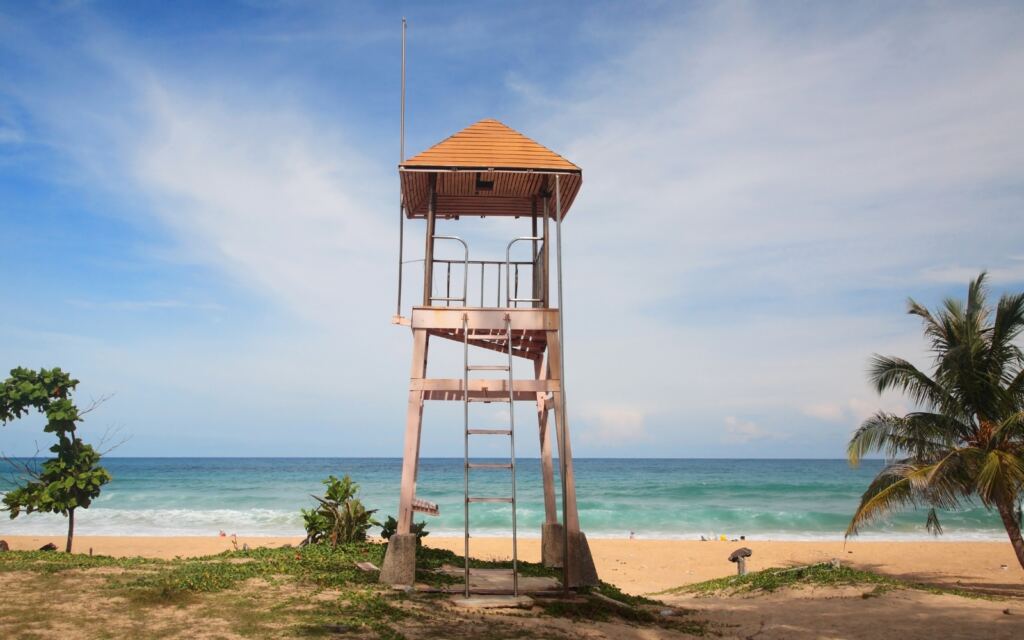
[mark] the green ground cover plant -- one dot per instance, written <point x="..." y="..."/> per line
<point x="822" y="575"/>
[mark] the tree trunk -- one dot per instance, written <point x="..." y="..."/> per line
<point x="71" y="531"/>
<point x="1006" y="512"/>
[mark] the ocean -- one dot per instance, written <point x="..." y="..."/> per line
<point x="655" y="498"/>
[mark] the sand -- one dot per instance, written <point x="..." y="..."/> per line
<point x="649" y="566"/>
<point x="646" y="566"/>
<point x="166" y="548"/>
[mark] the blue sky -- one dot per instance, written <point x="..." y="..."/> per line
<point x="198" y="208"/>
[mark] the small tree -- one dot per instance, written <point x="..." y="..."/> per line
<point x="73" y="478"/>
<point x="341" y="516"/>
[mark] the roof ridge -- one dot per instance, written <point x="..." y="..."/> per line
<point x="490" y="146"/>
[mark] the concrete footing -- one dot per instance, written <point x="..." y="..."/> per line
<point x="551" y="540"/>
<point x="400" y="560"/>
<point x="493" y="602"/>
<point x="582" y="572"/>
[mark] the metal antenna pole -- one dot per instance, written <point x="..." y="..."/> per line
<point x="562" y="458"/>
<point x="402" y="136"/>
<point x="401" y="203"/>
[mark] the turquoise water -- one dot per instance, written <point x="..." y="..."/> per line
<point x="778" y="499"/>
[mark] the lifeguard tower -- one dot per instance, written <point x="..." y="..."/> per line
<point x="489" y="169"/>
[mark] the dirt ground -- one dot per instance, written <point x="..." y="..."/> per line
<point x="81" y="604"/>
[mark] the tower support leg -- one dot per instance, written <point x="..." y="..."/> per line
<point x="551" y="534"/>
<point x="581" y="570"/>
<point x="400" y="559"/>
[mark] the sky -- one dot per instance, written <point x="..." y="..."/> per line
<point x="199" y="210"/>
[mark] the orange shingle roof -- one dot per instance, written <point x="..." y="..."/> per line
<point x="490" y="144"/>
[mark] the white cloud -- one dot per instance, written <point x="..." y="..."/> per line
<point x="1011" y="271"/>
<point x="738" y="431"/>
<point x="10" y="135"/>
<point x="613" y="424"/>
<point x="808" y="161"/>
<point x="855" y="410"/>
<point x="278" y="202"/>
<point x="144" y="305"/>
<point x="825" y="411"/>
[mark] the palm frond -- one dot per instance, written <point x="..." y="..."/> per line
<point x="949" y="480"/>
<point x="954" y="317"/>
<point x="940" y="485"/>
<point x="1001" y="478"/>
<point x="890" y="490"/>
<point x="1006" y="356"/>
<point x="1015" y="389"/>
<point x="936" y="331"/>
<point x="922" y="436"/>
<point x="1010" y="431"/>
<point x="932" y="523"/>
<point x="890" y="373"/>
<point x="977" y="294"/>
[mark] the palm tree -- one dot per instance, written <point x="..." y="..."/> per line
<point x="967" y="440"/>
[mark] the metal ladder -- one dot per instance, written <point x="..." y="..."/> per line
<point x="510" y="432"/>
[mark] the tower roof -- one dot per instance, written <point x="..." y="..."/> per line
<point x="490" y="144"/>
<point x="487" y="169"/>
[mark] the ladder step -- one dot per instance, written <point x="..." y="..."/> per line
<point x="494" y="399"/>
<point x="489" y="465"/>
<point x="487" y="367"/>
<point x="509" y="500"/>
<point x="489" y="432"/>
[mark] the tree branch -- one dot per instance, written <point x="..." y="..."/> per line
<point x="95" y="403"/>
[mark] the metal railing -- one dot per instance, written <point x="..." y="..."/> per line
<point x="490" y="271"/>
<point x="500" y="280"/>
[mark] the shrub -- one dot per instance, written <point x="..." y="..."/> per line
<point x="341" y="516"/>
<point x="390" y="526"/>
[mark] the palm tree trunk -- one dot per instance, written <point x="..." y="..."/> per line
<point x="71" y="530"/>
<point x="1006" y="512"/>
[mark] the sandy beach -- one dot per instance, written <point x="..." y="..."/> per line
<point x="649" y="566"/>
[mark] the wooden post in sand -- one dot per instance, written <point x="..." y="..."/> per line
<point x="740" y="556"/>
<point x="490" y="170"/>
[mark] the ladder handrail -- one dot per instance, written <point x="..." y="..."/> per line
<point x="465" y="273"/>
<point x="509" y="298"/>
<point x="512" y="453"/>
<point x="465" y="416"/>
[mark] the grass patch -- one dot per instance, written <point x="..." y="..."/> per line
<point x="613" y="592"/>
<point x="823" y="574"/>
<point x="56" y="561"/>
<point x="321" y="565"/>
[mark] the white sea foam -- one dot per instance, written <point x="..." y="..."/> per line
<point x="269" y="522"/>
<point x="162" y="522"/>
